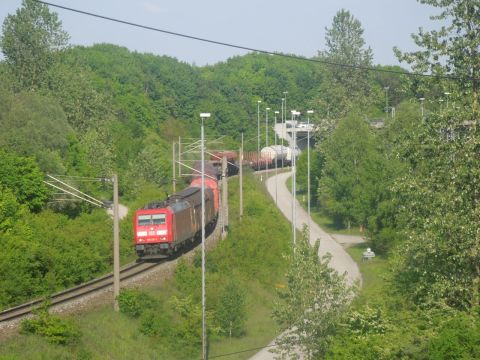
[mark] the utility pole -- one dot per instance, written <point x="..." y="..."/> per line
<point x="70" y="190"/>
<point x="174" y="171"/>
<point x="240" y="170"/>
<point x="116" y="244"/>
<point x="224" y="195"/>
<point x="179" y="157"/>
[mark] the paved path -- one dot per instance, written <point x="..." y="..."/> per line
<point x="341" y="261"/>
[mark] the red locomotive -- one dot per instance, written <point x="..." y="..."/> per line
<point x="163" y="227"/>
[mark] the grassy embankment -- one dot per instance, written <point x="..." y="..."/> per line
<point x="251" y="256"/>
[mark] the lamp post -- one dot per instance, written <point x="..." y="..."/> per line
<point x="285" y="112"/>
<point x="283" y="126"/>
<point x="204" y="325"/>
<point x="258" y="131"/>
<point x="386" y="101"/>
<point x="294" y="180"/>
<point x="308" y="165"/>
<point x="275" y="157"/>
<point x="266" y="140"/>
<point x="422" y="99"/>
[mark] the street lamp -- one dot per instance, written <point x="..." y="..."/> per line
<point x="258" y="131"/>
<point x="204" y="327"/>
<point x="284" y="130"/>
<point x="275" y="156"/>
<point x="308" y="164"/>
<point x="266" y="140"/>
<point x="294" y="188"/>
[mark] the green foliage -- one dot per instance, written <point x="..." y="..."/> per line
<point x="311" y="305"/>
<point x="187" y="279"/>
<point x="231" y="313"/>
<point x="48" y="252"/>
<point x="134" y="303"/>
<point x="255" y="245"/>
<point x="458" y="338"/>
<point x="10" y="210"/>
<point x="316" y="167"/>
<point x="55" y="329"/>
<point x="366" y="321"/>
<point x="452" y="50"/>
<point x="34" y="126"/>
<point x="30" y="40"/>
<point x="23" y="177"/>
<point x="189" y="320"/>
<point x="347" y="87"/>
<point x="439" y="198"/>
<point x="355" y="173"/>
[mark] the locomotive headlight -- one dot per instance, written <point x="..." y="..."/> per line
<point x="161" y="232"/>
<point x="141" y="233"/>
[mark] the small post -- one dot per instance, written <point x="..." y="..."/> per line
<point x="174" y="181"/>
<point x="116" y="245"/>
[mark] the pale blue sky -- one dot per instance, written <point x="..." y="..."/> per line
<point x="296" y="27"/>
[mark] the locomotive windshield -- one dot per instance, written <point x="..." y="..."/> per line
<point x="158" y="219"/>
<point x="155" y="219"/>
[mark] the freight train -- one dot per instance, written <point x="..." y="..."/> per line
<point x="162" y="228"/>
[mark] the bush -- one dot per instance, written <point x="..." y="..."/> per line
<point x="53" y="328"/>
<point x="458" y="338"/>
<point x="134" y="303"/>
<point x="231" y="314"/>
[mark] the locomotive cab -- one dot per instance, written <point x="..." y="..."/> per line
<point x="152" y="234"/>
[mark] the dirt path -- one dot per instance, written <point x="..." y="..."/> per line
<point x="341" y="260"/>
<point x="122" y="211"/>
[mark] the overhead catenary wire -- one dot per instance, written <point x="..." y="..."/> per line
<point x="247" y="48"/>
<point x="71" y="193"/>
<point x="85" y="196"/>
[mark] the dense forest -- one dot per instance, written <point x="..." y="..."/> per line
<point x="411" y="184"/>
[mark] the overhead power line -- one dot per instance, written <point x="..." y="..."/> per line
<point x="221" y="43"/>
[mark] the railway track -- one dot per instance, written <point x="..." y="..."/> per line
<point x="77" y="292"/>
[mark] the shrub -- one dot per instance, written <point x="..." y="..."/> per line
<point x="231" y="314"/>
<point x="53" y="328"/>
<point x="134" y="303"/>
<point x="458" y="338"/>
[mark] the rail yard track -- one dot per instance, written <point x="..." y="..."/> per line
<point x="77" y="292"/>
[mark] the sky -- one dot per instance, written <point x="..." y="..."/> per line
<point x="295" y="27"/>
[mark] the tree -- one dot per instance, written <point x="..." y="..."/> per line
<point x="438" y="264"/>
<point x="352" y="172"/>
<point x="453" y="50"/>
<point x="34" y="125"/>
<point x="30" y="40"/>
<point x="231" y="313"/>
<point x="24" y="178"/>
<point x="310" y="306"/>
<point x="346" y="46"/>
